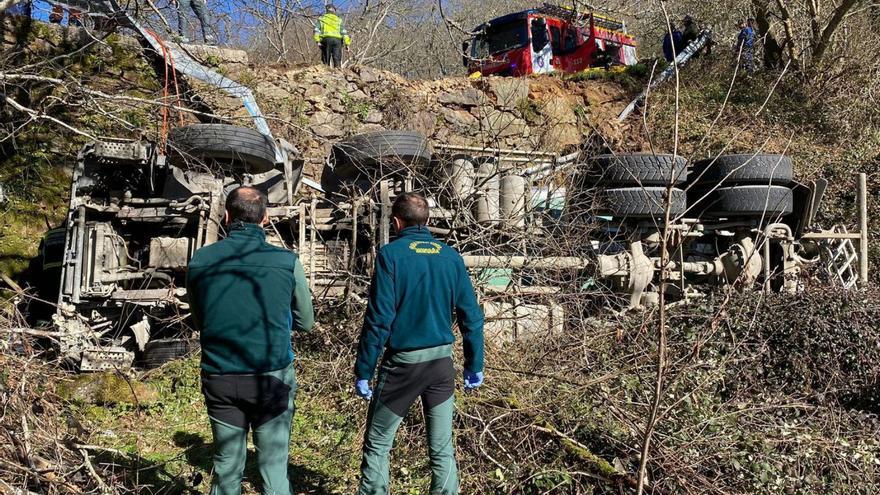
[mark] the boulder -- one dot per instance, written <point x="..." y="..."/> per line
<point x="508" y="91"/>
<point x="458" y="118"/>
<point x="423" y="122"/>
<point x="374" y="117"/>
<point x="327" y="124"/>
<point x="468" y="97"/>
<point x="368" y="76"/>
<point x="503" y="124"/>
<point x="314" y="93"/>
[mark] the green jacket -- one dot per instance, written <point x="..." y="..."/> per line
<point x="418" y="284"/>
<point x="246" y="296"/>
<point x="331" y="25"/>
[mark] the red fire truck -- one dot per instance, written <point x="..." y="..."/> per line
<point x="547" y="39"/>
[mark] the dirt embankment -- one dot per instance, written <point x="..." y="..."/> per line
<point x="315" y="106"/>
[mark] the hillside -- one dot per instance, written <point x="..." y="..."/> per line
<point x="767" y="393"/>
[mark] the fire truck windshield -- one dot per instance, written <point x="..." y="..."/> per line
<point x="501" y="38"/>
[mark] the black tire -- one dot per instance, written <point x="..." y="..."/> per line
<point x="638" y="169"/>
<point x="158" y="352"/>
<point x="376" y="154"/>
<point x="231" y="147"/>
<point x="744" y="201"/>
<point x="640" y="202"/>
<point x="743" y="170"/>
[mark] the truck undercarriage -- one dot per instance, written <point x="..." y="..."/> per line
<point x="535" y="229"/>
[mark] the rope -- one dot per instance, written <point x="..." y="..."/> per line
<point x="168" y="79"/>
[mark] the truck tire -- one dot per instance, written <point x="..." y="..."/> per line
<point x="376" y="154"/>
<point x="231" y="147"/>
<point x="158" y="352"/>
<point x="745" y="201"/>
<point x="638" y="169"/>
<point x="743" y="170"/>
<point x="640" y="202"/>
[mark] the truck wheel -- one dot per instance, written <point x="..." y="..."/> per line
<point x="231" y="147"/>
<point x="638" y="169"/>
<point x="158" y="352"/>
<point x="744" y="201"/>
<point x="743" y="169"/>
<point x="376" y="154"/>
<point x="640" y="202"/>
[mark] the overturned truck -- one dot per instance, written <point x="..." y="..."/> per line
<point x="531" y="226"/>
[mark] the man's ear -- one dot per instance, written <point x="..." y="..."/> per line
<point x="265" y="219"/>
<point x="226" y="219"/>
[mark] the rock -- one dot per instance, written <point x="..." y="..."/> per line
<point x="458" y="118"/>
<point x="327" y="124"/>
<point x="314" y="93"/>
<point x="368" y="76"/>
<point x="215" y="55"/>
<point x="374" y="117"/>
<point x="337" y="106"/>
<point x="358" y="95"/>
<point x="107" y="388"/>
<point x="468" y="97"/>
<point x="503" y="124"/>
<point x="508" y="91"/>
<point x="423" y="122"/>
<point x="560" y="123"/>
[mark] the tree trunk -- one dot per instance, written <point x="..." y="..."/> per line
<point x="820" y="46"/>
<point x="772" y="50"/>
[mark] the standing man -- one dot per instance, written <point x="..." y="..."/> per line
<point x="745" y="43"/>
<point x="418" y="283"/>
<point x="330" y="35"/>
<point x="246" y="296"/>
<point x="200" y="9"/>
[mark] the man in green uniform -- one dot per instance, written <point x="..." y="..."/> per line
<point x="246" y="296"/>
<point x="330" y="35"/>
<point x="418" y="283"/>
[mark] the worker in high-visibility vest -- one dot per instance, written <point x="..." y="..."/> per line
<point x="330" y="34"/>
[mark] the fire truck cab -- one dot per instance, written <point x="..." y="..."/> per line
<point x="548" y="39"/>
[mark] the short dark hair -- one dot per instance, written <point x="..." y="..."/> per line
<point x="246" y="204"/>
<point x="411" y="208"/>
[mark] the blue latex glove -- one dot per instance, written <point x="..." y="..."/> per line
<point x="362" y="389"/>
<point x="472" y="380"/>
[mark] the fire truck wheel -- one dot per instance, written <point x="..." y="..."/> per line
<point x="743" y="201"/>
<point x="158" y="352"/>
<point x="638" y="169"/>
<point x="743" y="169"/>
<point x="640" y="202"/>
<point x="229" y="147"/>
<point x="377" y="154"/>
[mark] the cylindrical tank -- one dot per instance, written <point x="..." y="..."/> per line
<point x="460" y="173"/>
<point x="513" y="200"/>
<point x="488" y="183"/>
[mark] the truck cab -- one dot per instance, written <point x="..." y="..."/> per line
<point x="548" y="39"/>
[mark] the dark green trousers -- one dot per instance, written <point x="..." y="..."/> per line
<point x="404" y="377"/>
<point x="262" y="403"/>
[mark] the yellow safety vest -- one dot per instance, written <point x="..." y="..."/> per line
<point x="331" y="26"/>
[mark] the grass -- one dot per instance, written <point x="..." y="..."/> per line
<point x="173" y="435"/>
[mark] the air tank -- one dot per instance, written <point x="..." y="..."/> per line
<point x="513" y="200"/>
<point x="460" y="174"/>
<point x="487" y="207"/>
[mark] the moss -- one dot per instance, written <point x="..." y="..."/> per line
<point x="107" y="388"/>
<point x="529" y="109"/>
